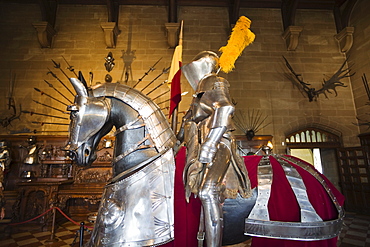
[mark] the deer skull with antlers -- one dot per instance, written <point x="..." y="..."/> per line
<point x="328" y="86"/>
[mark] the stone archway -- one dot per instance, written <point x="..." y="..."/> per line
<point x="316" y="122"/>
<point x="347" y="132"/>
<point x="318" y="147"/>
<point x="312" y="137"/>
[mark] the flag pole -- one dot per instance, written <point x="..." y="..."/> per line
<point x="181" y="32"/>
<point x="176" y="111"/>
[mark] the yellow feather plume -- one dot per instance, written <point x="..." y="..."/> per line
<point x="241" y="36"/>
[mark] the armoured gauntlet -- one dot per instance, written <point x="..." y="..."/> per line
<point x="209" y="148"/>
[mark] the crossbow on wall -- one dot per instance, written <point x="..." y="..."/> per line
<point x="5" y="122"/>
<point x="328" y="86"/>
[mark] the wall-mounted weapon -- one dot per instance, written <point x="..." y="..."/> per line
<point x="51" y="107"/>
<point x="43" y="123"/>
<point x="158" y="96"/>
<point x="158" y="86"/>
<point x="58" y="79"/>
<point x="164" y="101"/>
<point x="109" y="62"/>
<point x="366" y="85"/>
<point x="5" y="122"/>
<point x="250" y="122"/>
<point x="56" y="90"/>
<point x="152" y="68"/>
<point x="328" y="86"/>
<point x="367" y="89"/>
<point x="45" y="115"/>
<point x="70" y="67"/>
<point x="51" y="97"/>
<point x="164" y="71"/>
<point x="55" y="98"/>
<point x="28" y="131"/>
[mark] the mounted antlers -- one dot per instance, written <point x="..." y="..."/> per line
<point x="327" y="86"/>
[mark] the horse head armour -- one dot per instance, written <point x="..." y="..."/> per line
<point x="88" y="116"/>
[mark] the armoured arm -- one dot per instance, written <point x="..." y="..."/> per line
<point x="212" y="105"/>
<point x="209" y="147"/>
<point x="219" y="124"/>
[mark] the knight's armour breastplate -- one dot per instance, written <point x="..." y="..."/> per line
<point x="212" y="95"/>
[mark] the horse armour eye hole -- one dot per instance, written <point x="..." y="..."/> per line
<point x="87" y="152"/>
<point x="71" y="154"/>
<point x="74" y="114"/>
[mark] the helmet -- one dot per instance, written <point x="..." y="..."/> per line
<point x="206" y="62"/>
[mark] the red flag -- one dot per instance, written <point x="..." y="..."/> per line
<point x="174" y="78"/>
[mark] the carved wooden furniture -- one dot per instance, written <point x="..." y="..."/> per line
<point x="56" y="180"/>
<point x="36" y="197"/>
<point x="83" y="196"/>
<point x="251" y="146"/>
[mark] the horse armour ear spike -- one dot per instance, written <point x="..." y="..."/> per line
<point x="79" y="87"/>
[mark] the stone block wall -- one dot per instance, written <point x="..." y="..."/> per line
<point x="258" y="82"/>
<point x="266" y="86"/>
<point x="359" y="58"/>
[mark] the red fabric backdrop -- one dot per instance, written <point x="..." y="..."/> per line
<point x="282" y="205"/>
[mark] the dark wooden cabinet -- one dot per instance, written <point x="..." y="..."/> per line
<point x="247" y="147"/>
<point x="54" y="180"/>
<point x="36" y="197"/>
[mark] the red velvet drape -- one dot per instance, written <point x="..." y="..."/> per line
<point x="282" y="205"/>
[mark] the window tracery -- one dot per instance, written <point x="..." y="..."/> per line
<point x="312" y="136"/>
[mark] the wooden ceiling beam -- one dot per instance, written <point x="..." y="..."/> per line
<point x="303" y="4"/>
<point x="45" y="28"/>
<point x="288" y="11"/>
<point x="172" y="11"/>
<point x="342" y="13"/>
<point x="113" y="10"/>
<point x="48" y="11"/>
<point x="110" y="27"/>
<point x="234" y="7"/>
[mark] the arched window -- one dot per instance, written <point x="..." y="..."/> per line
<point x="312" y="137"/>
